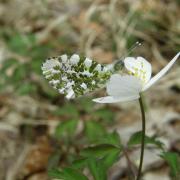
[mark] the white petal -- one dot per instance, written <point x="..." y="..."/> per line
<point x="140" y="67"/>
<point x="161" y="73"/>
<point x="124" y="86"/>
<point x="111" y="99"/>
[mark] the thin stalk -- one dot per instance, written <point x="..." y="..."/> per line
<point x="143" y="137"/>
<point x="130" y="164"/>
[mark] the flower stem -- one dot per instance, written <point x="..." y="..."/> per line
<point x="143" y="136"/>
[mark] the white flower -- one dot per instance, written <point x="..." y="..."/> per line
<point x="74" y="59"/>
<point x="128" y="87"/>
<point x="88" y="62"/>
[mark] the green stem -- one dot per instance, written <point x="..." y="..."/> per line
<point x="143" y="137"/>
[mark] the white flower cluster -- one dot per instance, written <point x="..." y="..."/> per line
<point x="75" y="76"/>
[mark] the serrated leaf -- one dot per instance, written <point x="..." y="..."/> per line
<point x="172" y="159"/>
<point x="136" y="139"/>
<point x="99" y="151"/>
<point x="67" y="174"/>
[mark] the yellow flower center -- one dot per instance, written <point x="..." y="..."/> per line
<point x="139" y="73"/>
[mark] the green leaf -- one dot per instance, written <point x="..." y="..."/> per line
<point x="111" y="138"/>
<point x="97" y="169"/>
<point x="66" y="129"/>
<point x="108" y="155"/>
<point x="55" y="173"/>
<point x="85" y="104"/>
<point x="67" y="174"/>
<point x="20" y="73"/>
<point x="68" y="109"/>
<point x="99" y="151"/>
<point x="26" y="88"/>
<point x="104" y="114"/>
<point x="94" y="131"/>
<point x="80" y="163"/>
<point x="21" y="44"/>
<point x="9" y="63"/>
<point x="172" y="159"/>
<point x="136" y="139"/>
<point x="111" y="158"/>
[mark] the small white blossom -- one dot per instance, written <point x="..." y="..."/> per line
<point x="74" y="59"/>
<point x="88" y="62"/>
<point x="128" y="87"/>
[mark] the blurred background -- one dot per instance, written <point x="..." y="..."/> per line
<point x="39" y="129"/>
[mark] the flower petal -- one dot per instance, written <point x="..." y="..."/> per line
<point x="111" y="99"/>
<point x="161" y="73"/>
<point x="140" y="67"/>
<point x="123" y="86"/>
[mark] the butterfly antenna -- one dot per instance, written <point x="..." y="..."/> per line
<point x="132" y="48"/>
<point x="119" y="63"/>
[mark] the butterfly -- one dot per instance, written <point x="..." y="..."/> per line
<point x="75" y="76"/>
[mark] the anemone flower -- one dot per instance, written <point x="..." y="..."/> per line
<point x="128" y="87"/>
